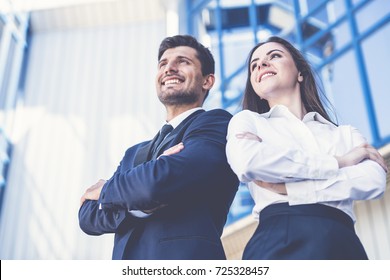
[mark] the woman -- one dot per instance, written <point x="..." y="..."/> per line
<point x="303" y="171"/>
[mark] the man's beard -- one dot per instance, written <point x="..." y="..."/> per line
<point x="178" y="98"/>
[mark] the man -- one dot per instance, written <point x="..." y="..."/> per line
<point x="172" y="204"/>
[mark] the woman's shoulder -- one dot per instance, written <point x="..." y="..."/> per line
<point x="345" y="128"/>
<point x="246" y="114"/>
<point x="246" y="118"/>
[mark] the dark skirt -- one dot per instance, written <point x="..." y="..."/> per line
<point x="304" y="232"/>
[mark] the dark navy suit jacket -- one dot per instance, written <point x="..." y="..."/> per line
<point x="196" y="185"/>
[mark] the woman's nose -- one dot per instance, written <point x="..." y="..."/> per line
<point x="264" y="63"/>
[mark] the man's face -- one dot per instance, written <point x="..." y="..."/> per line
<point x="179" y="79"/>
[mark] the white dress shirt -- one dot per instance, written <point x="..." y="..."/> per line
<point x="300" y="153"/>
<point x="179" y="118"/>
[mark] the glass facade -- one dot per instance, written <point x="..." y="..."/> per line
<point x="12" y="45"/>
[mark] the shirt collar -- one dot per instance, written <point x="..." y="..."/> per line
<point x="314" y="116"/>
<point x="283" y="111"/>
<point x="277" y="111"/>
<point x="179" y="118"/>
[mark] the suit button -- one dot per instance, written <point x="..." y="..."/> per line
<point x="117" y="215"/>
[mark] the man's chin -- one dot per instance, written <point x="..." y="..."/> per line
<point x="178" y="99"/>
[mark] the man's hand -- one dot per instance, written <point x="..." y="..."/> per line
<point x="93" y="192"/>
<point x="360" y="153"/>
<point x="173" y="150"/>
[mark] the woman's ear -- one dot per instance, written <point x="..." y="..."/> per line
<point x="300" y="77"/>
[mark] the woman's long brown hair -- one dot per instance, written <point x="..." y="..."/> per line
<point x="310" y="93"/>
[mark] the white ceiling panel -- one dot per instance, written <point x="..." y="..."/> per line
<point x="64" y="14"/>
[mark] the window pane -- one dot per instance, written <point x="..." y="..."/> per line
<point x="369" y="15"/>
<point x="376" y="52"/>
<point x="7" y="74"/>
<point x="347" y="94"/>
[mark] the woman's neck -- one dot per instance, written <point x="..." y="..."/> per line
<point x="294" y="105"/>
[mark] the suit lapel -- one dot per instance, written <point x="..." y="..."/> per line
<point x="178" y="130"/>
<point x="143" y="153"/>
<point x="165" y="141"/>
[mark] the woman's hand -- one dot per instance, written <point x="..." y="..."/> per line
<point x="279" y="188"/>
<point x="249" y="136"/>
<point x="360" y="153"/>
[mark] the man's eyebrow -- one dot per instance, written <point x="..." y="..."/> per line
<point x="178" y="57"/>
<point x="268" y="53"/>
<point x="186" y="57"/>
<point x="161" y="60"/>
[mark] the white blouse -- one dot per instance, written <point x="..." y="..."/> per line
<point x="300" y="153"/>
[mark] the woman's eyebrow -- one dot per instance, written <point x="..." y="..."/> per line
<point x="271" y="51"/>
<point x="268" y="53"/>
<point x="255" y="59"/>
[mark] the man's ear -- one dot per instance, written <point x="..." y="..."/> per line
<point x="208" y="82"/>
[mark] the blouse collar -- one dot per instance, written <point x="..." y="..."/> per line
<point x="281" y="111"/>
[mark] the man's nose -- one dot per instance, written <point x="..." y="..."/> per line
<point x="170" y="67"/>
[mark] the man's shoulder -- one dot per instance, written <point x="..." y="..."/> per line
<point x="215" y="118"/>
<point x="216" y="112"/>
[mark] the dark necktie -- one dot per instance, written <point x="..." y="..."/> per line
<point x="167" y="128"/>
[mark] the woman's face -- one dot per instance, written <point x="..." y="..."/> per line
<point x="273" y="73"/>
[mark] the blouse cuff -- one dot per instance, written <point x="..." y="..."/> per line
<point x="302" y="192"/>
<point x="324" y="167"/>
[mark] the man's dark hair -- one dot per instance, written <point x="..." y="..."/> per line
<point x="204" y="55"/>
